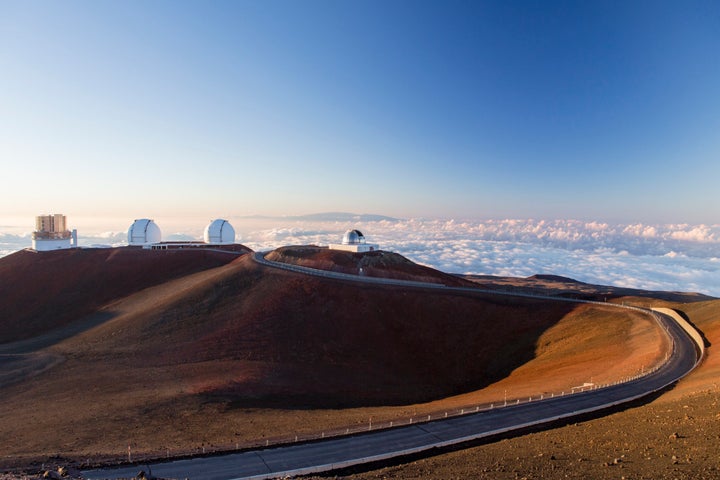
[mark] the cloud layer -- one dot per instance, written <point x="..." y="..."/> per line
<point x="678" y="257"/>
<point x="659" y="257"/>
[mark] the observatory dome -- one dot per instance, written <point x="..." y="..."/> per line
<point x="144" y="231"/>
<point x="353" y="237"/>
<point x="219" y="232"/>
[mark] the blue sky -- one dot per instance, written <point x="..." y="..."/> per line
<point x="587" y="110"/>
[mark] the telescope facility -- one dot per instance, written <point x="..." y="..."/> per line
<point x="354" y="241"/>
<point x="51" y="233"/>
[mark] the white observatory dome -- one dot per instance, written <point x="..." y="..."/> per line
<point x="219" y="232"/>
<point x="353" y="237"/>
<point x="144" y="231"/>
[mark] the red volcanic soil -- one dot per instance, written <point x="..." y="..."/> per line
<point x="371" y="264"/>
<point x="307" y="341"/>
<point x="675" y="436"/>
<point x="46" y="290"/>
<point x="241" y="351"/>
<point x="555" y="285"/>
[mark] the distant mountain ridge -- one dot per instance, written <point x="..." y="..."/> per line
<point x="330" y="217"/>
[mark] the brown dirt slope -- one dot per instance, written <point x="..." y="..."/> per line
<point x="706" y="317"/>
<point x="676" y="436"/>
<point x="48" y="290"/>
<point x="241" y="352"/>
<point x="372" y="264"/>
<point x="313" y="342"/>
<point x="556" y="285"/>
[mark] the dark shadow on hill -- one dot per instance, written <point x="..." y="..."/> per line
<point x="44" y="291"/>
<point x="303" y="342"/>
<point x="292" y="341"/>
<point x="555" y="285"/>
<point x="57" y="335"/>
<point x="15" y="368"/>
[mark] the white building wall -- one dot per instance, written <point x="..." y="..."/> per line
<point x="358" y="247"/>
<point x="51" y="244"/>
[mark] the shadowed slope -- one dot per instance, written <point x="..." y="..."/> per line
<point x="172" y="363"/>
<point x="556" y="285"/>
<point x="675" y="436"/>
<point x="372" y="264"/>
<point x="306" y="341"/>
<point x="43" y="291"/>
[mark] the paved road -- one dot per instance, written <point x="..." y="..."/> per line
<point x="383" y="444"/>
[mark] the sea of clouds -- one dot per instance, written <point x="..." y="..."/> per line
<point x="658" y="257"/>
<point x="678" y="257"/>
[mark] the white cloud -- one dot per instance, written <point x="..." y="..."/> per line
<point x="700" y="233"/>
<point x="659" y="257"/>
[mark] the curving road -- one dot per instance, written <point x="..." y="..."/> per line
<point x="333" y="453"/>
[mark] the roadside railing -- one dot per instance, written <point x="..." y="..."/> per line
<point x="138" y="454"/>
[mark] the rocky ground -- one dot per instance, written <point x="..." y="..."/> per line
<point x="677" y="439"/>
<point x="126" y="382"/>
<point x="673" y="436"/>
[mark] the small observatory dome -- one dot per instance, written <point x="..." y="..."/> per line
<point x="353" y="237"/>
<point x="144" y="231"/>
<point x="219" y="232"/>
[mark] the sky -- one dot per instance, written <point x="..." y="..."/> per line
<point x="597" y="111"/>
<point x="575" y="138"/>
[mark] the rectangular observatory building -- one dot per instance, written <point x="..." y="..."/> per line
<point x="51" y="233"/>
